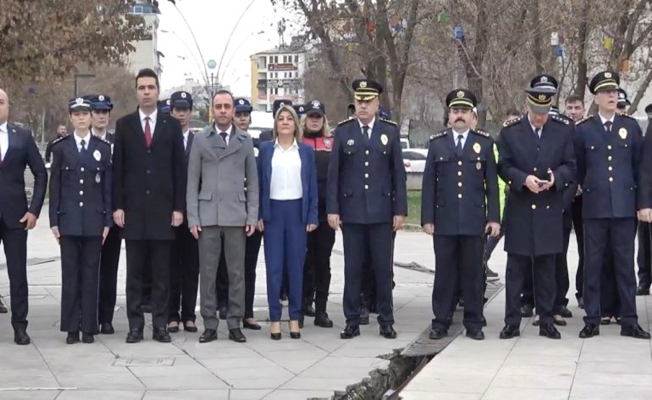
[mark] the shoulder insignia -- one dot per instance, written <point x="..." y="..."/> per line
<point x="481" y="133"/>
<point x="439" y="135"/>
<point x="511" y="122"/>
<point x="345" y="121"/>
<point x="93" y="137"/>
<point x="628" y="116"/>
<point x="559" y="118"/>
<point x="588" y="117"/>
<point x="57" y="140"/>
<point x="389" y="121"/>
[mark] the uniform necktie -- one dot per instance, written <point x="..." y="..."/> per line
<point x="607" y="126"/>
<point x="459" y="143"/>
<point x="148" y="133"/>
<point x="224" y="135"/>
<point x="83" y="146"/>
<point x="365" y="131"/>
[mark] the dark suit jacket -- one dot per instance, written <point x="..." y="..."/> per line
<point x="148" y="184"/>
<point x="308" y="182"/>
<point x="366" y="177"/>
<point x="533" y="223"/>
<point x="460" y="189"/>
<point x="22" y="153"/>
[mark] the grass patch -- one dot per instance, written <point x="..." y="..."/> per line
<point x="414" y="208"/>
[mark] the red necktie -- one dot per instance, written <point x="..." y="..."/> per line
<point x="148" y="133"/>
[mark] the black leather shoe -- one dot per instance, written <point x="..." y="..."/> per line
<point x="350" y="332"/>
<point x="247" y="325"/>
<point x="483" y="320"/>
<point x="208" y="336"/>
<point x="189" y="326"/>
<point x="135" y="336"/>
<point x="87" y="338"/>
<point x="509" y="332"/>
<point x="161" y="335"/>
<point x="308" y="310"/>
<point x="387" y="332"/>
<point x="549" y="331"/>
<point x="295" y="335"/>
<point x="605" y="320"/>
<point x="364" y="315"/>
<point x="3" y="308"/>
<point x="640" y="291"/>
<point x="580" y="303"/>
<point x="236" y="335"/>
<point x="173" y="326"/>
<point x="565" y="312"/>
<point x="321" y="319"/>
<point x="437" y="334"/>
<point x="21" y="337"/>
<point x="589" y="331"/>
<point x="558" y="319"/>
<point x="636" y="332"/>
<point x="107" y="329"/>
<point x="475" y="334"/>
<point x="72" y="338"/>
<point x="275" y="336"/>
<point x="527" y="311"/>
<point x="223" y="312"/>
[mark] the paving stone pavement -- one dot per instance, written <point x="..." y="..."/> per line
<point x="531" y="367"/>
<point x="313" y="367"/>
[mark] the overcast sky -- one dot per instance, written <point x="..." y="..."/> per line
<point x="212" y="21"/>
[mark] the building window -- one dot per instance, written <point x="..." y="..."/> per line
<point x="262" y="63"/>
<point x="296" y="58"/>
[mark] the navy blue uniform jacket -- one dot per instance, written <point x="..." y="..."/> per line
<point x="460" y="192"/>
<point x="366" y="177"/>
<point x="533" y="223"/>
<point x="308" y="181"/>
<point x="608" y="166"/>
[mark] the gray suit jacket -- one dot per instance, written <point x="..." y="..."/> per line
<point x="217" y="177"/>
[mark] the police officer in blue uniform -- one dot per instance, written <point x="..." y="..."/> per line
<point x="536" y="161"/>
<point x="608" y="156"/>
<point x="459" y="204"/>
<point x="80" y="218"/>
<point x="101" y="107"/>
<point x="644" y="258"/>
<point x="300" y="109"/>
<point x="366" y="192"/>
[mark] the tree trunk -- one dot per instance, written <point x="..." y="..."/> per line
<point x="583" y="38"/>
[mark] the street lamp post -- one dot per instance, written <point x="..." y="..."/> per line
<point x="80" y="76"/>
<point x="228" y="63"/>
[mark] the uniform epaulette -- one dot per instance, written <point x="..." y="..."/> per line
<point x="101" y="140"/>
<point x="559" y="118"/>
<point x="511" y="122"/>
<point x="345" y="121"/>
<point x="482" y="133"/>
<point x="389" y="121"/>
<point x="588" y="117"/>
<point x="439" y="135"/>
<point x="628" y="116"/>
<point x="57" y="140"/>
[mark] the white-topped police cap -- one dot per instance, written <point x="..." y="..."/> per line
<point x="79" y="104"/>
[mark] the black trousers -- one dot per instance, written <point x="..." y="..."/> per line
<point x="562" y="282"/>
<point x="459" y="264"/>
<point x="617" y="235"/>
<point x="80" y="270"/>
<point x="184" y="276"/>
<point x="609" y="299"/>
<point x="147" y="282"/>
<point x="358" y="241"/>
<point x="644" y="257"/>
<point x="368" y="289"/>
<point x="152" y="256"/>
<point x="543" y="270"/>
<point x="578" y="227"/>
<point x="109" y="262"/>
<point x="252" y="249"/>
<point x="14" y="242"/>
<point x="317" y="268"/>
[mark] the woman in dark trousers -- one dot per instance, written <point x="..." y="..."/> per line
<point x="317" y="270"/>
<point x="288" y="212"/>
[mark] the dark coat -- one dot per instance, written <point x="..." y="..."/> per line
<point x="148" y="184"/>
<point x="460" y="191"/>
<point x="22" y="153"/>
<point x="533" y="223"/>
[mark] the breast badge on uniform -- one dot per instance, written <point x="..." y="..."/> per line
<point x="476" y="147"/>
<point x="328" y="143"/>
<point x="622" y="132"/>
<point x="383" y="139"/>
<point x="350" y="142"/>
<point x="96" y="155"/>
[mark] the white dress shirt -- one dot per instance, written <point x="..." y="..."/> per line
<point x="286" y="173"/>
<point x="152" y="120"/>
<point x="78" y="140"/>
<point x="4" y="140"/>
<point x="370" y="125"/>
<point x="464" y="134"/>
<point x="185" y="139"/>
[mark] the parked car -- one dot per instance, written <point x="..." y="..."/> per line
<point x="405" y="143"/>
<point x="415" y="159"/>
